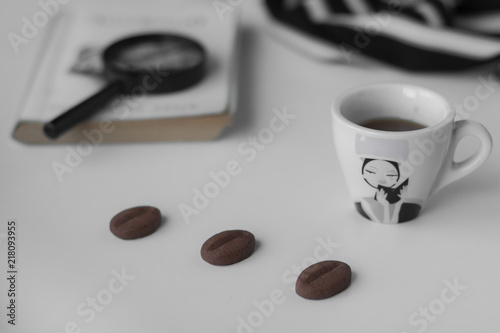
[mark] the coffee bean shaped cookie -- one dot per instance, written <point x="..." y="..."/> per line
<point x="323" y="279"/>
<point x="135" y="222"/>
<point x="228" y="247"/>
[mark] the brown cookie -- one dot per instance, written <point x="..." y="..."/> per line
<point x="135" y="222"/>
<point x="228" y="247"/>
<point x="323" y="279"/>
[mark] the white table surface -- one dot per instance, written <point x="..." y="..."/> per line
<point x="291" y="196"/>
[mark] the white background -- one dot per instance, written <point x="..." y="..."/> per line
<point x="290" y="196"/>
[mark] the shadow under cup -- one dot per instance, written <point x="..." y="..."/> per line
<point x="376" y="163"/>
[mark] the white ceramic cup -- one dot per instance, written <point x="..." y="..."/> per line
<point x="391" y="174"/>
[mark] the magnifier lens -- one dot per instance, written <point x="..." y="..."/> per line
<point x="167" y="55"/>
<point x="180" y="61"/>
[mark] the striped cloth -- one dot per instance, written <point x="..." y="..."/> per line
<point x="429" y="35"/>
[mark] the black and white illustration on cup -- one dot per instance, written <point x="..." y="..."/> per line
<point x="380" y="168"/>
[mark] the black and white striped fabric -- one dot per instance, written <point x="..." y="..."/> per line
<point x="413" y="34"/>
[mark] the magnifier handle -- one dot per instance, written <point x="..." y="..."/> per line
<point x="82" y="111"/>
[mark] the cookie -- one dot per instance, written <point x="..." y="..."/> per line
<point x="135" y="222"/>
<point x="323" y="279"/>
<point x="228" y="247"/>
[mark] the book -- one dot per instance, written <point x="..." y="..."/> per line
<point x="70" y="71"/>
<point x="393" y="193"/>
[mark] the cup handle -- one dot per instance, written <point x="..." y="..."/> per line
<point x="451" y="170"/>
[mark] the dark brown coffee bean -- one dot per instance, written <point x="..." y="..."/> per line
<point x="323" y="280"/>
<point x="228" y="247"/>
<point x="135" y="222"/>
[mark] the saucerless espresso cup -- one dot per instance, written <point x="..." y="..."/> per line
<point x="396" y="144"/>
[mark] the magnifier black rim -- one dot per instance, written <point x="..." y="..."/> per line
<point x="112" y="52"/>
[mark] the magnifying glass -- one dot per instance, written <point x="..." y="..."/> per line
<point x="153" y="63"/>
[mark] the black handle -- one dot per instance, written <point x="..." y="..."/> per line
<point x="82" y="111"/>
